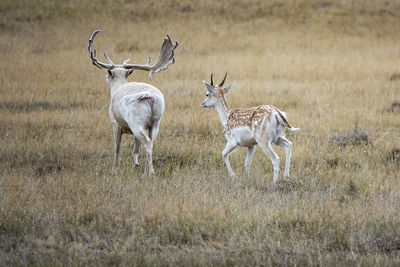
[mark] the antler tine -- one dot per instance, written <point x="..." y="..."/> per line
<point x="93" y="53"/>
<point x="223" y="81"/>
<point x="108" y="59"/>
<point x="91" y="38"/>
<point x="212" y="82"/>
<point x="176" y="42"/>
<point x="165" y="59"/>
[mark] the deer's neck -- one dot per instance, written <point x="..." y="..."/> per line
<point x="115" y="85"/>
<point x="223" y="110"/>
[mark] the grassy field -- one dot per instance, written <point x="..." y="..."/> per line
<point x="332" y="66"/>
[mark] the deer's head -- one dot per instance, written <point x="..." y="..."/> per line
<point x="215" y="93"/>
<point x="117" y="73"/>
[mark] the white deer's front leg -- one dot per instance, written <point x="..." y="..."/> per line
<point x="229" y="148"/>
<point x="117" y="144"/>
<point x="148" y="146"/>
<point x="149" y="153"/>
<point x="136" y="149"/>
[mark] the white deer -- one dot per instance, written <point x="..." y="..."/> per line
<point x="135" y="108"/>
<point x="261" y="125"/>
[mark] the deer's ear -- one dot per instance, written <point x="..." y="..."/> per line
<point x="226" y="90"/>
<point x="110" y="73"/>
<point x="210" y="88"/>
<point x="129" y="72"/>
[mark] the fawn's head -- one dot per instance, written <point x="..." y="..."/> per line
<point x="215" y="93"/>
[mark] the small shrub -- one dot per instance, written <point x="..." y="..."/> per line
<point x="395" y="76"/>
<point x="388" y="244"/>
<point x="332" y="162"/>
<point x="395" y="107"/>
<point x="358" y="137"/>
<point x="393" y="156"/>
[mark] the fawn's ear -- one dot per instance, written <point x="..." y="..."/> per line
<point x="210" y="88"/>
<point x="226" y="90"/>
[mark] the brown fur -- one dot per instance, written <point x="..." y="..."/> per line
<point x="251" y="117"/>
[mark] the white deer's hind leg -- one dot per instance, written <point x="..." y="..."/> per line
<point x="229" y="148"/>
<point x="117" y="145"/>
<point x="287" y="146"/>
<point x="149" y="154"/>
<point x="136" y="149"/>
<point x="153" y="131"/>
<point x="141" y="135"/>
<point x="249" y="157"/>
<point x="269" y="151"/>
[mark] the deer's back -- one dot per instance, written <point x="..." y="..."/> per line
<point x="250" y="117"/>
<point x="137" y="103"/>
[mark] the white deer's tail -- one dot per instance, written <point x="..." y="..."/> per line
<point x="145" y="96"/>
<point x="142" y="96"/>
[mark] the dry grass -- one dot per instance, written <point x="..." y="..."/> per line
<point x="328" y="64"/>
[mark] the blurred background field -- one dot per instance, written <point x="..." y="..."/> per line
<point x="332" y="66"/>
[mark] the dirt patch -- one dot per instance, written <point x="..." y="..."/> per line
<point x="49" y="160"/>
<point x="28" y="106"/>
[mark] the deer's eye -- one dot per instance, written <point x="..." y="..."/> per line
<point x="207" y="95"/>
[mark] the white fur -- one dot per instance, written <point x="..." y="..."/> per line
<point x="131" y="112"/>
<point x="135" y="108"/>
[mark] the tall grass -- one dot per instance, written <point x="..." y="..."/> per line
<point x="328" y="64"/>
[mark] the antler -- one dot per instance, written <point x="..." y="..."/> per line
<point x="218" y="85"/>
<point x="92" y="54"/>
<point x="165" y="59"/>
<point x="223" y="81"/>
